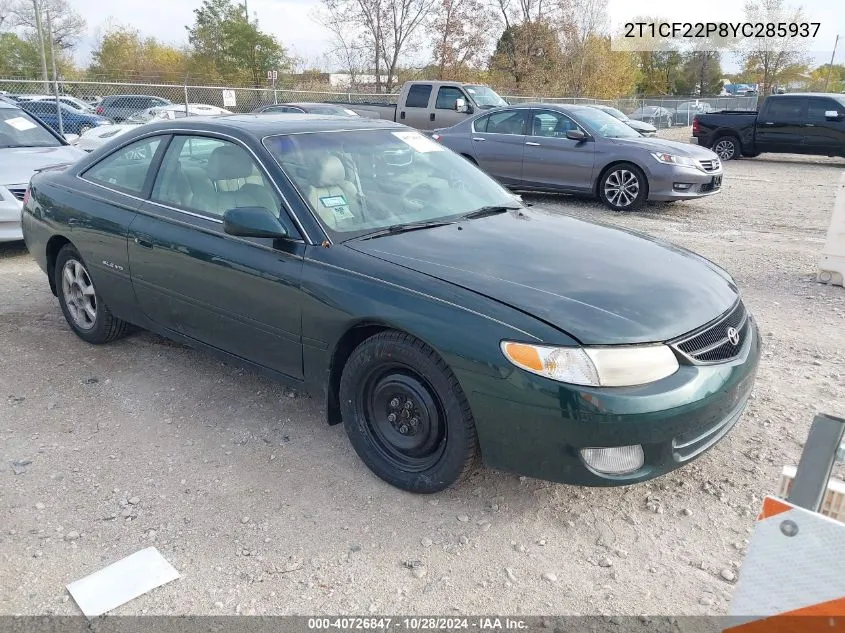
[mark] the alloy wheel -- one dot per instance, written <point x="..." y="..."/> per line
<point x="725" y="149"/>
<point x="621" y="188"/>
<point x="79" y="294"/>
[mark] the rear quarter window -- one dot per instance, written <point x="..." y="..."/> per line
<point x="418" y="96"/>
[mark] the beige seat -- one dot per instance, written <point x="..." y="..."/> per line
<point x="228" y="163"/>
<point x="332" y="196"/>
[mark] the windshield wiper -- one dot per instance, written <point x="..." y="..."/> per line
<point x="404" y="228"/>
<point x="489" y="210"/>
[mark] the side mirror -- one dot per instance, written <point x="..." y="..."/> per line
<point x="461" y="106"/>
<point x="832" y="115"/>
<point x="73" y="139"/>
<point x="252" y="222"/>
<point x="576" y="135"/>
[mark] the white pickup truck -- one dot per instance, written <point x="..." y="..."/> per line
<point x="427" y="105"/>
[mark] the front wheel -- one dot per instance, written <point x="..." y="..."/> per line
<point x="84" y="309"/>
<point x="623" y="187"/>
<point x="406" y="415"/>
<point x="727" y="147"/>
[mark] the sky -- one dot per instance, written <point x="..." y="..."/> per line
<point x="291" y="21"/>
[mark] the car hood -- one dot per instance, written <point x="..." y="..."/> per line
<point x="670" y="147"/>
<point x="598" y="284"/>
<point x="17" y="164"/>
<point x="640" y="126"/>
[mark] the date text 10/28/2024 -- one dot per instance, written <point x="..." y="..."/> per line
<point x="733" y="30"/>
<point x="416" y="624"/>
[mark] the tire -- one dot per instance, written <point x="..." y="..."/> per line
<point x="87" y="315"/>
<point x="727" y="147"/>
<point x="629" y="183"/>
<point x="431" y="442"/>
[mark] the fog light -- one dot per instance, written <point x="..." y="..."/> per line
<point x="617" y="460"/>
<point x="682" y="186"/>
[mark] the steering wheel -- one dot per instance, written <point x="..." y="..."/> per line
<point x="419" y="195"/>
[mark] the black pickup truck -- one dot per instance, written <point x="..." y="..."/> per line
<point x="805" y="123"/>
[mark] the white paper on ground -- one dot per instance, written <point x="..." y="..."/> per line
<point x="121" y="582"/>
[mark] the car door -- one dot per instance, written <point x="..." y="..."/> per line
<point x="444" y="113"/>
<point x="780" y="125"/>
<point x="552" y="160"/>
<point x="414" y="111"/>
<point x="240" y="295"/>
<point x="498" y="143"/>
<point x="46" y="111"/>
<point x="114" y="189"/>
<point x="823" y="135"/>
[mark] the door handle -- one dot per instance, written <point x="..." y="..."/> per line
<point x="768" y="122"/>
<point x="143" y="243"/>
<point x="809" y="125"/>
<point x="402" y="114"/>
<point x="431" y="117"/>
<point x="478" y="138"/>
<point x="532" y="144"/>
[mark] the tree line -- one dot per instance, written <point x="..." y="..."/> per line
<point x="532" y="47"/>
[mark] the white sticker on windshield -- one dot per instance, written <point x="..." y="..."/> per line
<point x="419" y="142"/>
<point x="20" y="123"/>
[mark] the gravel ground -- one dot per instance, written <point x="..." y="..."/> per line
<point x="265" y="509"/>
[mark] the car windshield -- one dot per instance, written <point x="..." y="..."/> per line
<point x="332" y="110"/>
<point x="359" y="182"/>
<point x="617" y="114"/>
<point x="19" y="129"/>
<point x="602" y="124"/>
<point x="485" y="96"/>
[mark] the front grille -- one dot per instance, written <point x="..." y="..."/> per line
<point x="19" y="193"/>
<point x="710" y="165"/>
<point x="711" y="344"/>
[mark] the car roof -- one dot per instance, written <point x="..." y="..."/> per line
<point x="261" y="125"/>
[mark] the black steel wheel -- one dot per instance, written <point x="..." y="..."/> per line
<point x="406" y="415"/>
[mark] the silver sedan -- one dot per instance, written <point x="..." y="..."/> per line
<point x="579" y="149"/>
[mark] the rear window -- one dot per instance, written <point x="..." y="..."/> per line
<point x="418" y="96"/>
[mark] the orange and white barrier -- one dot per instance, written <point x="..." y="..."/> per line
<point x="793" y="577"/>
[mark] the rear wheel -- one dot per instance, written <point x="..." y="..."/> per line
<point x="623" y="187"/>
<point x="88" y="316"/>
<point x="727" y="147"/>
<point x="406" y="415"/>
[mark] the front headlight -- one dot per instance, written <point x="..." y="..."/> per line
<point x="594" y="366"/>
<point x="672" y="159"/>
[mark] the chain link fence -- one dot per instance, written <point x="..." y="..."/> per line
<point x="661" y="111"/>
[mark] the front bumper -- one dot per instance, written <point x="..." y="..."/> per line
<point x="537" y="427"/>
<point x="664" y="182"/>
<point x="10" y="216"/>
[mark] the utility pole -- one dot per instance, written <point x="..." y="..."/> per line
<point x="55" y="75"/>
<point x="830" y="66"/>
<point x="41" y="44"/>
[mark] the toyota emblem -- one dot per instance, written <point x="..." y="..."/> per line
<point x="733" y="336"/>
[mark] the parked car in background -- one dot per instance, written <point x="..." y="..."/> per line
<point x="580" y="149"/>
<point x="303" y="108"/>
<point x="26" y="145"/>
<point x="657" y="116"/>
<point x="443" y="321"/>
<point x="120" y="107"/>
<point x="94" y="138"/>
<point x="73" y="121"/>
<point x="686" y="111"/>
<point x="646" y="129"/>
<point x="71" y="102"/>
<point x="801" y="123"/>
<point x="427" y="105"/>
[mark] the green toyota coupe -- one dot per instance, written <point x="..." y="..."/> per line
<point x="440" y="319"/>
